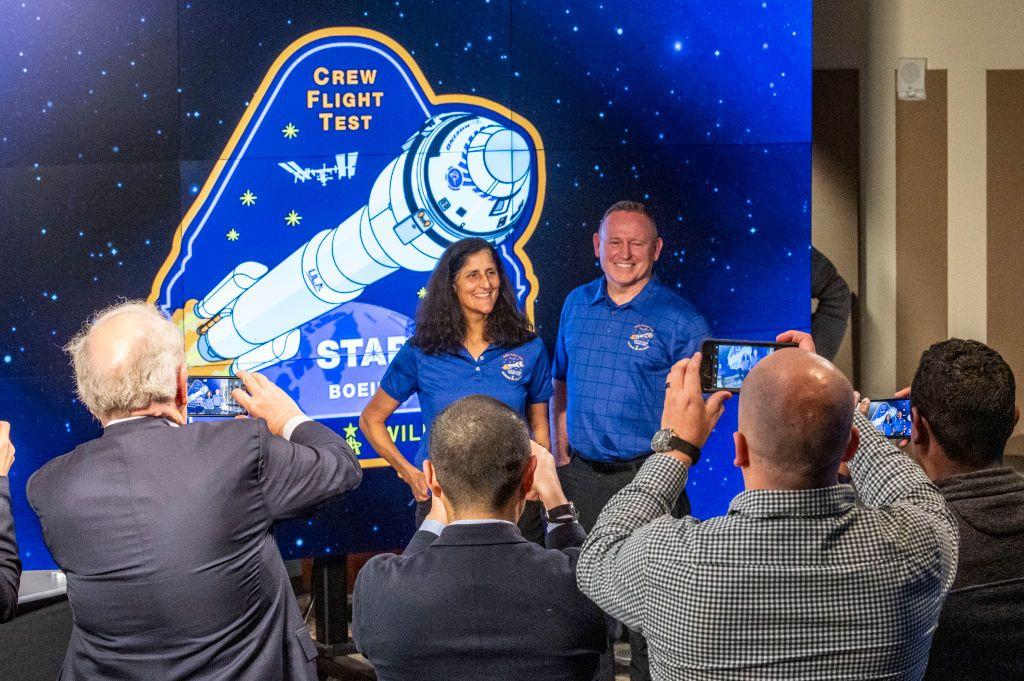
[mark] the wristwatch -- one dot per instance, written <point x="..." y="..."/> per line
<point x="665" y="440"/>
<point x="566" y="513"/>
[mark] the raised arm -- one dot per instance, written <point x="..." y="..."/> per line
<point x="564" y="531"/>
<point x="884" y="476"/>
<point x="302" y="462"/>
<point x="612" y="567"/>
<point x="432" y="527"/>
<point x="10" y="565"/>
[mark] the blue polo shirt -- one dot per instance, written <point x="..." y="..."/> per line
<point x="517" y="377"/>
<point x="614" y="360"/>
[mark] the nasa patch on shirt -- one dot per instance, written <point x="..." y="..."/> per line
<point x="641" y="337"/>
<point x="512" y="366"/>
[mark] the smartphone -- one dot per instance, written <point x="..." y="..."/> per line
<point x="210" y="397"/>
<point x="891" y="417"/>
<point x="725" y="363"/>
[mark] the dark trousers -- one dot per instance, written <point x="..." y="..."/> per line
<point x="590" y="486"/>
<point x="531" y="523"/>
<point x="590" y="489"/>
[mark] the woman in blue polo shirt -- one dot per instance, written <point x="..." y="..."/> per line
<point x="470" y="339"/>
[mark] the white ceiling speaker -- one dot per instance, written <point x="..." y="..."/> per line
<point x="910" y="78"/>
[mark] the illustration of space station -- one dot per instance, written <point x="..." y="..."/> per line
<point x="420" y="203"/>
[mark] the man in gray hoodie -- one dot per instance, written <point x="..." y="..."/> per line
<point x="963" y="413"/>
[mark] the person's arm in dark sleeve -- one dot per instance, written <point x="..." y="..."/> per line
<point x="421" y="540"/>
<point x="828" y="323"/>
<point x="313" y="465"/>
<point x="10" y="565"/>
<point x="431" y="527"/>
<point x="564" y="535"/>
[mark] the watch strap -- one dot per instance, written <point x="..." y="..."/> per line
<point x="689" y="449"/>
<point x="566" y="513"/>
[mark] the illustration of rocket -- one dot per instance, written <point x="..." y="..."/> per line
<point x="460" y="175"/>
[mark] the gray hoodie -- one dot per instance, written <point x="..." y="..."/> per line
<point x="981" y="629"/>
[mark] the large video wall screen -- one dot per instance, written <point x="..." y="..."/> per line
<point x="300" y="165"/>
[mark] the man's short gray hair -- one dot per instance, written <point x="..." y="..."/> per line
<point x="629" y="207"/>
<point x="480" y="449"/>
<point x="137" y="370"/>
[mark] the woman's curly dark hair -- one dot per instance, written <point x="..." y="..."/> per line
<point x="440" y="324"/>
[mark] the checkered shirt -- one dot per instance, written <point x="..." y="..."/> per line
<point x="791" y="584"/>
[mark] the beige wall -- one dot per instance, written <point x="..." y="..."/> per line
<point x="965" y="39"/>
<point x="922" y="224"/>
<point x="1005" y="161"/>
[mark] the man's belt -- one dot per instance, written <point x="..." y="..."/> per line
<point x="606" y="467"/>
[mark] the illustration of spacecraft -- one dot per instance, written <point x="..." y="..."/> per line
<point x="200" y="391"/>
<point x="460" y="175"/>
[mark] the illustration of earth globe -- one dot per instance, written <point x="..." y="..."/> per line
<point x="310" y="384"/>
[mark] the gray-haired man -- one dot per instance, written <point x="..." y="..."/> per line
<point x="164" y="530"/>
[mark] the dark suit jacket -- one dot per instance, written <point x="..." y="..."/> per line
<point x="478" y="602"/>
<point x="10" y="566"/>
<point x="165" y="536"/>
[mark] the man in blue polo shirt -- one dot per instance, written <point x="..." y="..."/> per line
<point x="618" y="337"/>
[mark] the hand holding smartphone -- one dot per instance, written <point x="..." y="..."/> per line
<point x="891" y="417"/>
<point x="725" y="363"/>
<point x="210" y="397"/>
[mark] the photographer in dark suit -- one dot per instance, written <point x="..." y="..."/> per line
<point x="10" y="566"/>
<point x="164" y="529"/>
<point x="474" y="599"/>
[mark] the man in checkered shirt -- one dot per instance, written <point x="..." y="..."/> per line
<point x="796" y="582"/>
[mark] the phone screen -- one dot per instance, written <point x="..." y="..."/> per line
<point x="210" y="397"/>
<point x="734" y="362"/>
<point x="891" y="417"/>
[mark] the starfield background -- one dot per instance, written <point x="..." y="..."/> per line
<point x="112" y="115"/>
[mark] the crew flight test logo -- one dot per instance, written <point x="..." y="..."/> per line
<point x="641" y="337"/>
<point x="308" y="246"/>
<point x="512" y="366"/>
